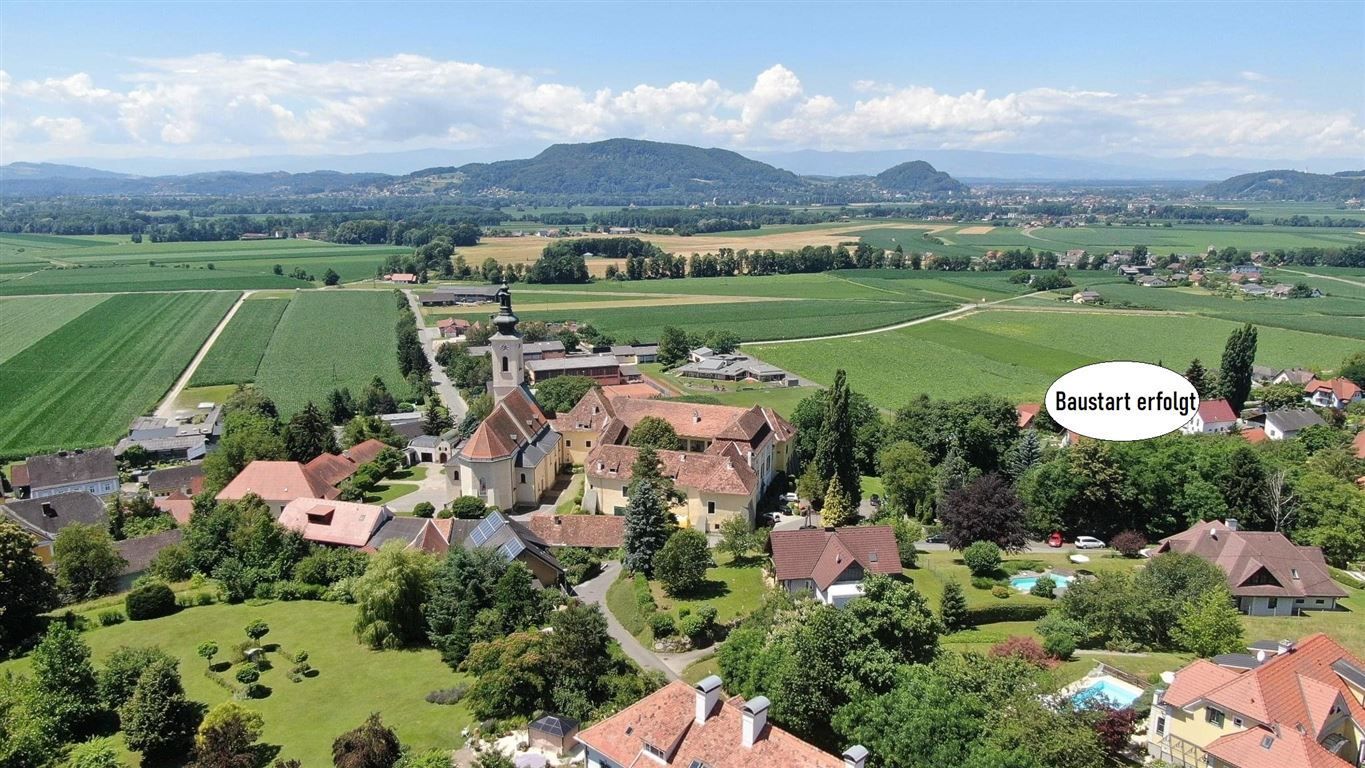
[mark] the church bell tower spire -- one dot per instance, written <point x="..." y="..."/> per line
<point x="505" y="347"/>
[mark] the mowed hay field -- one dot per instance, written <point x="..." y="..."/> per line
<point x="330" y="339"/>
<point x="1018" y="354"/>
<point x="237" y="352"/>
<point x="81" y="384"/>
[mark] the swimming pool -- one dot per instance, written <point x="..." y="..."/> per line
<point x="1107" y="690"/>
<point x="1025" y="583"/>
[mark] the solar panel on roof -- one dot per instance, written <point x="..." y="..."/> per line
<point x="511" y="548"/>
<point x="699" y="764"/>
<point x="487" y="528"/>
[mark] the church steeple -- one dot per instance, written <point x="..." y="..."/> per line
<point x="506" y="348"/>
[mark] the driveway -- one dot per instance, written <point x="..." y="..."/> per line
<point x="431" y="488"/>
<point x="439" y="381"/>
<point x="595" y="591"/>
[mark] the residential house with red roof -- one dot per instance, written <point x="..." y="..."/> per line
<point x="277" y="483"/>
<point x="1333" y="393"/>
<point x="1291" y="705"/>
<point x="334" y="523"/>
<point x="587" y="531"/>
<point x="685" y="726"/>
<point x="1268" y="574"/>
<point x="831" y="563"/>
<point x="1214" y="416"/>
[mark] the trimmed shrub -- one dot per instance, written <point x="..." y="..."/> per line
<point x="1026" y="649"/>
<point x="986" y="582"/>
<point x="1000" y="592"/>
<point x="708" y="613"/>
<point x="662" y="625"/>
<point x="111" y="617"/>
<point x="1044" y="587"/>
<point x="1059" y="647"/>
<point x="1128" y="543"/>
<point x="424" y="509"/>
<point x="694" y="627"/>
<point x="982" y="558"/>
<point x="993" y="614"/>
<point x="150" y="601"/>
<point x="247" y="675"/>
<point x="644" y="598"/>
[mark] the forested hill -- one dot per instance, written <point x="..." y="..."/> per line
<point x="1290" y="185"/>
<point x="623" y="167"/>
<point x="919" y="177"/>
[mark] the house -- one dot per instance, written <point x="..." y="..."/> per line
<point x="418" y="533"/>
<point x="530" y="350"/>
<point x="587" y="531"/>
<point x="277" y="483"/>
<point x="1245" y="269"/>
<point x="1071" y="258"/>
<point x="603" y="369"/>
<point x="452" y="327"/>
<point x="1150" y="281"/>
<point x="334" y="523"/>
<point x="1267" y="574"/>
<point x="187" y="479"/>
<point x="1285" y="423"/>
<point x="1252" y="289"/>
<point x="1027" y="412"/>
<point x="688" y="727"/>
<point x="514" y="541"/>
<point x="1214" y="416"/>
<point x="434" y="448"/>
<point x="332" y="468"/>
<point x="1086" y="297"/>
<point x="367" y="451"/>
<point x="46" y="516"/>
<point x="1263" y="374"/>
<point x="405" y="278"/>
<point x="582" y="426"/>
<point x="139" y="552"/>
<point x="716" y="486"/>
<point x="165" y="445"/>
<point x="1297" y="706"/>
<point x="176" y="504"/>
<point x="708" y="364"/>
<point x="832" y="562"/>
<point x="1333" y="393"/>
<point x="636" y="353"/>
<point x="94" y="471"/>
<point x="1298" y="376"/>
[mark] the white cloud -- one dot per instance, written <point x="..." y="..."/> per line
<point x="216" y="105"/>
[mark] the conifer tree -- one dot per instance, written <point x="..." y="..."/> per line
<point x="835" y="453"/>
<point x="839" y="509"/>
<point x="648" y="526"/>
<point x="1199" y="378"/>
<point x="308" y="435"/>
<point x="952" y="610"/>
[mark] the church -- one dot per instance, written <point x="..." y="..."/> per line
<point x="727" y="459"/>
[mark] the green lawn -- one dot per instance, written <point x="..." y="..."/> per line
<point x="701" y="668"/>
<point x="935" y="568"/>
<point x="236" y="355"/>
<point x="734" y="591"/>
<point x="303" y="718"/>
<point x="82" y="384"/>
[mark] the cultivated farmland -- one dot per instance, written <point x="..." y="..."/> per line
<point x="236" y="354"/>
<point x="329" y="339"/>
<point x="24" y="320"/>
<point x="81" y="384"/>
<point x="130" y="279"/>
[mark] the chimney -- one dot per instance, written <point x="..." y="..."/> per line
<point x="750" y="459"/>
<point x="708" y="693"/>
<point x="48" y="511"/>
<point x="855" y="756"/>
<point x="696" y="417"/>
<point x="1283" y="647"/>
<point x="1231" y="523"/>
<point x="755" y="717"/>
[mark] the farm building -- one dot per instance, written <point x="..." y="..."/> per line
<point x="707" y="364"/>
<point x="94" y="471"/>
<point x="334" y="523"/>
<point x="446" y="296"/>
<point x="603" y="369"/>
<point x="277" y="483"/>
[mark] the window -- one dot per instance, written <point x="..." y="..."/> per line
<point x="1272" y="603"/>
<point x="1294" y="573"/>
<point x="653" y="750"/>
<point x="568" y="443"/>
<point x="1161" y="724"/>
<point x="1319" y="601"/>
<point x="710" y="507"/>
<point x="504" y="363"/>
<point x="523" y="477"/>
<point x="1236" y="722"/>
<point x="589" y="443"/>
<point x="1214" y="716"/>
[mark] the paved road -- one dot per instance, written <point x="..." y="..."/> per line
<point x="595" y="591"/>
<point x="1324" y="277"/>
<point x="167" y="408"/>
<point x="439" y="381"/>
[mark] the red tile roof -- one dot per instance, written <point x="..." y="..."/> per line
<point x="341" y="523"/>
<point x="177" y="505"/>
<point x="515" y="420"/>
<point x="594" y="531"/>
<point x="1027" y="412"/>
<point x="1359" y="444"/>
<point x="591" y="412"/>
<point x="641" y="391"/>
<point x="1196" y="679"/>
<point x="366" y="452"/>
<point x="1246" y="554"/>
<point x="1261" y="748"/>
<point x="693" y="420"/>
<point x="711" y="472"/>
<point x="277" y="481"/>
<point x="331" y="468"/>
<point x="18" y="475"/>
<point x="823" y="555"/>
<point x="668" y="717"/>
<point x="1216" y="412"/>
<point x="1344" y="389"/>
<point x="1255" y="435"/>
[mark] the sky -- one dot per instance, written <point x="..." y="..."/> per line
<point x="205" y="80"/>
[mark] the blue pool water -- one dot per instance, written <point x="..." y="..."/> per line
<point x="1025" y="583"/>
<point x="1106" y="689"/>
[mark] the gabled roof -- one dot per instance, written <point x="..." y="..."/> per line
<point x="687" y="419"/>
<point x="341" y="523"/>
<point x="331" y="468"/>
<point x="1262" y="748"/>
<point x="824" y="555"/>
<point x="667" y="717"/>
<point x="592" y="412"/>
<point x="278" y="481"/>
<point x="1255" y="435"/>
<point x="47" y="516"/>
<point x="138" y="553"/>
<point x="1027" y="412"/>
<point x="1293" y="419"/>
<point x="414" y="532"/>
<point x="592" y="531"/>
<point x="1343" y="388"/>
<point x="1246" y="554"/>
<point x="711" y="472"/>
<point x="515" y="420"/>
<point x="1216" y="412"/>
<point x="1195" y="680"/>
<point x="366" y="451"/>
<point x="177" y="505"/>
<point x="174" y="478"/>
<point x="65" y="468"/>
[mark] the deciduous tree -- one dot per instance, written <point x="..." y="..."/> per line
<point x="158" y="719"/>
<point x="654" y="432"/>
<point x="87" y="563"/>
<point x="371" y="745"/>
<point x="27" y="588"/>
<point x="682" y="562"/>
<point x="390" y="595"/>
<point x="985" y="510"/>
<point x="1209" y="625"/>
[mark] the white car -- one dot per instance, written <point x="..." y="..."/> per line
<point x="1089" y="542"/>
<point x="790" y="497"/>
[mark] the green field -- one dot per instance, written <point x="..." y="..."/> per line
<point x="24" y="321"/>
<point x="303" y="718"/>
<point x="236" y="354"/>
<point x="1018" y="354"/>
<point x="329" y="339"/>
<point x="81" y="384"/>
<point x="134" y="279"/>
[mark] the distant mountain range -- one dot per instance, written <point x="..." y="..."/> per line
<point x="1290" y="185"/>
<point x="619" y="171"/>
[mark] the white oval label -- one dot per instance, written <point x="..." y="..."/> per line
<point x="1122" y="400"/>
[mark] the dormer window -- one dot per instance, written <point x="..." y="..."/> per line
<point x="1294" y="573"/>
<point x="653" y="750"/>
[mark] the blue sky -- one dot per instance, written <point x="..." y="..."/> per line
<point x="207" y="80"/>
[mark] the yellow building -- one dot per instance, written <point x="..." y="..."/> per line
<point x="1287" y="705"/>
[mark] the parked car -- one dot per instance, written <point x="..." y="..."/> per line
<point x="790" y="497"/>
<point x="938" y="538"/>
<point x="1089" y="542"/>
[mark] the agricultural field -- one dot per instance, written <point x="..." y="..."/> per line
<point x="303" y="718"/>
<point x="1018" y="353"/>
<point x="82" y="383"/>
<point x="330" y="339"/>
<point x="26" y="320"/>
<point x="236" y="354"/>
<point x="137" y="279"/>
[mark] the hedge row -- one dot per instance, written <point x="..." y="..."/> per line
<point x="991" y="614"/>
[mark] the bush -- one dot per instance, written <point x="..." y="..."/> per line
<point x="982" y="558"/>
<point x="424" y="509"/>
<point x="986" y="583"/>
<point x="1128" y="543"/>
<point x="1059" y="646"/>
<point x="450" y="695"/>
<point x="1026" y="649"/>
<point x="111" y="617"/>
<point x="708" y="613"/>
<point x="1001" y="592"/>
<point x="998" y="612"/>
<point x="662" y="625"/>
<point x="643" y="597"/>
<point x="172" y="563"/>
<point x="247" y="675"/>
<point x="151" y="601"/>
<point x="298" y="590"/>
<point x="1044" y="587"/>
<point x="694" y="627"/>
<point x="469" y="508"/>
<point x="203" y="598"/>
<point x="300" y="657"/>
<point x="681" y="564"/>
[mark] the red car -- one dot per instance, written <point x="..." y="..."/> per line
<point x="1055" y="540"/>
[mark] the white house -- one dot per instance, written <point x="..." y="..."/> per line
<point x="1214" y="416"/>
<point x="1286" y="423"/>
